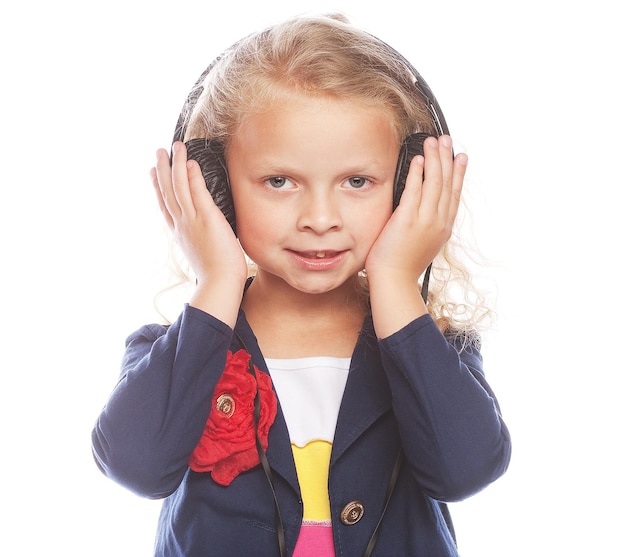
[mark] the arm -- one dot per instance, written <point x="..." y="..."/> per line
<point x="157" y="412"/>
<point x="451" y="429"/>
<point x="452" y="432"/>
<point x="156" y="415"/>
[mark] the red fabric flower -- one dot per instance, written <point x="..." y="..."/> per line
<point x="228" y="443"/>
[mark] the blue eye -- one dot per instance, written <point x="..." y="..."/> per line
<point x="357" y="182"/>
<point x="278" y="182"/>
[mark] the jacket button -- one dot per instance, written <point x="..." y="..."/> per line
<point x="352" y="513"/>
<point x="225" y="404"/>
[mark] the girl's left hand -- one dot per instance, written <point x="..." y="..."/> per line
<point x="422" y="223"/>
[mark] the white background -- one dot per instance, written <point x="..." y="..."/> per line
<point x="532" y="90"/>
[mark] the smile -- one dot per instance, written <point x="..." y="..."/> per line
<point x="322" y="260"/>
<point x="317" y="254"/>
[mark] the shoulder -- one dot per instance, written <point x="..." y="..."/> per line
<point x="147" y="333"/>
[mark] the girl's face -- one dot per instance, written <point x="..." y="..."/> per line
<point x="312" y="181"/>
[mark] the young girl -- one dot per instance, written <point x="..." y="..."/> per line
<point x="326" y="405"/>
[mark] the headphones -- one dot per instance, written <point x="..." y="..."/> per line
<point x="209" y="153"/>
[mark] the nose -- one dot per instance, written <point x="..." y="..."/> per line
<point x="319" y="211"/>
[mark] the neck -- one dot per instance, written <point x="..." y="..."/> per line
<point x="275" y="295"/>
<point x="289" y="323"/>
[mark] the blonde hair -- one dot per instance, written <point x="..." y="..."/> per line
<point x="314" y="55"/>
<point x="327" y="56"/>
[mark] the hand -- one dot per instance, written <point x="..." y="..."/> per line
<point x="422" y="223"/>
<point x="199" y="227"/>
<point x="416" y="232"/>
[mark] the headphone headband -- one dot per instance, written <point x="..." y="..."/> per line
<point x="421" y="85"/>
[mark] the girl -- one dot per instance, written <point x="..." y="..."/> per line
<point x="319" y="407"/>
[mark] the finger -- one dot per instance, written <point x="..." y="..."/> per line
<point x="157" y="190"/>
<point x="200" y="196"/>
<point x="163" y="175"/>
<point x="433" y="178"/>
<point x="446" y="158"/>
<point x="412" y="193"/>
<point x="180" y="178"/>
<point x="458" y="177"/>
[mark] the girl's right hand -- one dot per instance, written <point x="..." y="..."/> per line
<point x="201" y="231"/>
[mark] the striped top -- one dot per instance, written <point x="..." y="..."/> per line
<point x="310" y="392"/>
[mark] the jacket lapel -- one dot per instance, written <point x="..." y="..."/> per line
<point x="367" y="396"/>
<point x="279" y="454"/>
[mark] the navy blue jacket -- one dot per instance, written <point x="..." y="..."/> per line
<point x="412" y="390"/>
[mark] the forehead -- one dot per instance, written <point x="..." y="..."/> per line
<point x="312" y="132"/>
<point x="279" y="98"/>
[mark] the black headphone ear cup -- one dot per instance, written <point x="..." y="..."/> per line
<point x="209" y="154"/>
<point x="413" y="145"/>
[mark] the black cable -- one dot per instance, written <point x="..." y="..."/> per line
<point x="280" y="529"/>
<point x="425" y="282"/>
<point x="390" y="487"/>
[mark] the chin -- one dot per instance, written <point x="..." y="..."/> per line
<point x="318" y="287"/>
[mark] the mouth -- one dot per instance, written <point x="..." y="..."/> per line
<point x="325" y="254"/>
<point x="319" y="260"/>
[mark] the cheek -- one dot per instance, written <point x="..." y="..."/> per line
<point x="256" y="228"/>
<point x="372" y="221"/>
<point x="248" y="232"/>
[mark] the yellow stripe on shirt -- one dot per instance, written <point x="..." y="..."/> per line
<point x="312" y="463"/>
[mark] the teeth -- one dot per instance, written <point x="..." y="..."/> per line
<point x="318" y="254"/>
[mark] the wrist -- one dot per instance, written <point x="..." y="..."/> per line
<point x="396" y="300"/>
<point x="220" y="298"/>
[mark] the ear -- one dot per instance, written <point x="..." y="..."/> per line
<point x="209" y="154"/>
<point x="413" y="145"/>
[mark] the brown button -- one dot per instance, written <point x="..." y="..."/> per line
<point x="225" y="404"/>
<point x="352" y="513"/>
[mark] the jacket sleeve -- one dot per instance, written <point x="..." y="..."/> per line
<point x="450" y="424"/>
<point x="155" y="416"/>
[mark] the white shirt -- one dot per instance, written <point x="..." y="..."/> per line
<point x="310" y="392"/>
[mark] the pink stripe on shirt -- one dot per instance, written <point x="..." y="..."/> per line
<point x="315" y="540"/>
